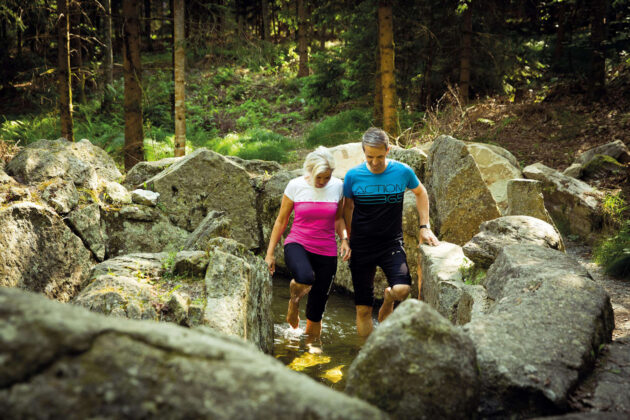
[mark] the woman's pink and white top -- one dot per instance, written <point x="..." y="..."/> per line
<point x="315" y="209"/>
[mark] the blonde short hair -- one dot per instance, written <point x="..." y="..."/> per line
<point x="318" y="161"/>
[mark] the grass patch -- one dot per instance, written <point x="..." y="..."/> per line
<point x="347" y="126"/>
<point x="613" y="253"/>
<point x="256" y="144"/>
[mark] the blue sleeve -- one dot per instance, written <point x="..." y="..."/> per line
<point x="412" y="179"/>
<point x="347" y="185"/>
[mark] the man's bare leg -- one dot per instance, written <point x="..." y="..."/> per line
<point x="398" y="292"/>
<point x="298" y="291"/>
<point x="364" y="320"/>
<point x="313" y="329"/>
<point x="419" y="279"/>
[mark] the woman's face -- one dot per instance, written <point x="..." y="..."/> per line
<point x="322" y="179"/>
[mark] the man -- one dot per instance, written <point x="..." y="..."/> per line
<point x="373" y="207"/>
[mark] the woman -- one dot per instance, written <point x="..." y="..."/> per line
<point x="310" y="249"/>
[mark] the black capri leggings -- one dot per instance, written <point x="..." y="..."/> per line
<point x="314" y="270"/>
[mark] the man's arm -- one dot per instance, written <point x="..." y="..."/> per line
<point x="348" y="208"/>
<point x="422" y="204"/>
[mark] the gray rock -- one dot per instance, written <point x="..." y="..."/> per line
<point x="192" y="263"/>
<point x="497" y="167"/>
<point x="38" y="252"/>
<point x="461" y="197"/>
<point x="603" y="167"/>
<point x="60" y="361"/>
<point x="538" y="338"/>
<point x="143" y="265"/>
<point x="473" y="303"/>
<point x="145" y="197"/>
<point x="215" y="224"/>
<point x="4" y="178"/>
<point x="60" y="194"/>
<point x="442" y="285"/>
<point x="495" y="234"/>
<point x="525" y="198"/>
<point x="81" y="162"/>
<point x="177" y="309"/>
<point x="205" y="181"/>
<point x="416" y="365"/>
<point x="142" y="171"/>
<point x="573" y="204"/>
<point x="414" y="157"/>
<point x="257" y="166"/>
<point x="238" y="290"/>
<point x="86" y="222"/>
<point x="606" y="388"/>
<point x="574" y="170"/>
<point x="115" y="193"/>
<point x="616" y="150"/>
<point x="137" y="228"/>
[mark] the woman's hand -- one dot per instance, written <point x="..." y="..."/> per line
<point x="345" y="250"/>
<point x="271" y="263"/>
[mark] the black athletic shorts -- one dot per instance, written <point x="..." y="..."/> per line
<point x="314" y="270"/>
<point x="393" y="262"/>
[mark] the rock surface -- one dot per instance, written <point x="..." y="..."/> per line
<point x="496" y="234"/>
<point x="416" y="365"/>
<point x="616" y="150"/>
<point x="60" y="194"/>
<point x="525" y="198"/>
<point x="215" y="224"/>
<point x="238" y="288"/>
<point x="61" y="361"/>
<point x="203" y="181"/>
<point x="456" y="187"/>
<point x="38" y="252"/>
<point x="86" y="222"/>
<point x="142" y="171"/>
<point x="573" y="204"/>
<point x="540" y="335"/>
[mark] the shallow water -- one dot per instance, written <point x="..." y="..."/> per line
<point x="339" y="343"/>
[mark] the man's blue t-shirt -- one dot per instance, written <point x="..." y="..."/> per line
<point x="378" y="204"/>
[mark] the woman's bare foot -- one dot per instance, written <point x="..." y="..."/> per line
<point x="388" y="305"/>
<point x="297" y="292"/>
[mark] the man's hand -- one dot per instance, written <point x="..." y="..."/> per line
<point x="427" y="237"/>
<point x="345" y="250"/>
<point x="271" y="263"/>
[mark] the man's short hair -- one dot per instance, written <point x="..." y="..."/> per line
<point x="375" y="137"/>
<point x="318" y="161"/>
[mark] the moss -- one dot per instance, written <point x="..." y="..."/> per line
<point x="602" y="163"/>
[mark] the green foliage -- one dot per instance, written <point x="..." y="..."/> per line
<point x="347" y="126"/>
<point x="325" y="87"/>
<point x="613" y="207"/>
<point x="255" y="144"/>
<point x="471" y="274"/>
<point x="614" y="252"/>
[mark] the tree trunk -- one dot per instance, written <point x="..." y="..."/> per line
<point x="388" y="81"/>
<point x="76" y="53"/>
<point x="134" y="150"/>
<point x="302" y="40"/>
<point x="597" y="80"/>
<point x="464" y="66"/>
<point x="378" y="91"/>
<point x="147" y="24"/>
<point x="109" y="57"/>
<point x="180" y="80"/>
<point x="559" y="48"/>
<point x="265" y="19"/>
<point x="65" y="91"/>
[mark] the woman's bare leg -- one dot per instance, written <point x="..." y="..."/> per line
<point x="298" y="291"/>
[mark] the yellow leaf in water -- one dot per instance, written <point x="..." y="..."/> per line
<point x="334" y="375"/>
<point x="307" y="360"/>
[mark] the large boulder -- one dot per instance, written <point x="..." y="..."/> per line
<point x="573" y="204"/>
<point x="616" y="150"/>
<point x="497" y="167"/>
<point x="525" y="198"/>
<point x="143" y="171"/>
<point x="414" y="157"/>
<point x="346" y="157"/>
<point x="495" y="234"/>
<point x="61" y="195"/>
<point x="85" y="220"/>
<point x="80" y="162"/>
<point x="257" y="166"/>
<point x="542" y="333"/>
<point x="443" y="271"/>
<point x="204" y="181"/>
<point x="461" y="198"/>
<point x="61" y="361"/>
<point x="416" y="365"/>
<point x="238" y="291"/>
<point x="215" y="224"/>
<point x="137" y="228"/>
<point x="38" y="252"/>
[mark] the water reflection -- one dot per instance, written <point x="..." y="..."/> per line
<point x="328" y="359"/>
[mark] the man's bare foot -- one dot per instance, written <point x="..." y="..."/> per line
<point x="388" y="305"/>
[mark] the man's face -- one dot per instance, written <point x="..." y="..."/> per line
<point x="375" y="158"/>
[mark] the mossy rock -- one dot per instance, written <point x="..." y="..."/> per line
<point x="602" y="166"/>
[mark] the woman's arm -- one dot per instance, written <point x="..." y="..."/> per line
<point x="286" y="207"/>
<point x="340" y="227"/>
